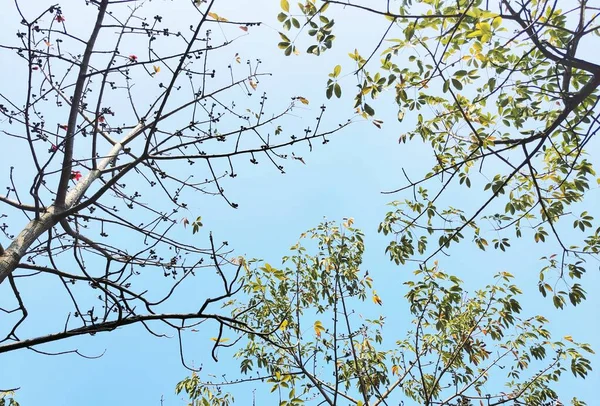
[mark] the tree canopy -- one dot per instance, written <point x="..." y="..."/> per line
<point x="329" y="347"/>
<point x="119" y="123"/>
<point x="504" y="94"/>
<point x="504" y="89"/>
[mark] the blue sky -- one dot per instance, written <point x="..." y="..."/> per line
<point x="344" y="178"/>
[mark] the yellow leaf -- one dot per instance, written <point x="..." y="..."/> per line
<point x="284" y="325"/>
<point x="394" y="369"/>
<point x="253" y="84"/>
<point x="222" y="340"/>
<point x="303" y="100"/>
<point x="285" y="6"/>
<point x="569" y="338"/>
<point x="318" y="326"/>
<point x="377" y="299"/>
<point x="156" y="68"/>
<point x="217" y="17"/>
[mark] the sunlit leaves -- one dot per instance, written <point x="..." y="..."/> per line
<point x="318" y="327"/>
<point x="7" y="399"/>
<point x="333" y="87"/>
<point x="201" y="394"/>
<point x="196" y="225"/>
<point x="483" y="31"/>
<point x="217" y="17"/>
<point x="497" y="95"/>
<point x="584" y="221"/>
<point x="308" y="304"/>
<point x="302" y="100"/>
<point x="285" y="6"/>
<point x="286" y="45"/>
<point x="317" y="25"/>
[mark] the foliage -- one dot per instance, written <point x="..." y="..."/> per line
<point x="325" y="350"/>
<point x="505" y="94"/>
<point x="202" y="395"/>
<point x="7" y="399"/>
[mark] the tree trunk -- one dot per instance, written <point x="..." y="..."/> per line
<point x="12" y="255"/>
<point x="19" y="246"/>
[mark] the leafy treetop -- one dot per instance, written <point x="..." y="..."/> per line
<point x="505" y="94"/>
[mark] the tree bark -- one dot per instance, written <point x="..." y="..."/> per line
<point x="13" y="254"/>
<point x="19" y="246"/>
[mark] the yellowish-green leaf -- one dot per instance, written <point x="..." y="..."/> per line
<point x="217" y="17"/>
<point x="318" y="326"/>
<point x="336" y="71"/>
<point x="496" y="22"/>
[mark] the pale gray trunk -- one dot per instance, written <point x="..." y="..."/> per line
<point x="37" y="227"/>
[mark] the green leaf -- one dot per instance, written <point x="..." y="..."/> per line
<point x="329" y="92"/>
<point x="337" y="90"/>
<point x="368" y="109"/>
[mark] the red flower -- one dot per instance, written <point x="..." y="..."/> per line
<point x="132" y="58"/>
<point x="101" y="119"/>
<point x="63" y="127"/>
<point x="53" y="148"/>
<point x="76" y="175"/>
<point x="59" y="18"/>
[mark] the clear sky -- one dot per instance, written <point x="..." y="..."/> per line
<point x="344" y="178"/>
